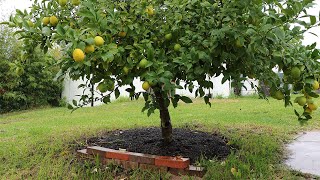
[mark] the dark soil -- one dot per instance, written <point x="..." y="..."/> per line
<point x="187" y="143"/>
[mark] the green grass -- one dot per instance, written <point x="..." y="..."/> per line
<point x="41" y="143"/>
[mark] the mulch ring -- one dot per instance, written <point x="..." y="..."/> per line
<point x="187" y="143"/>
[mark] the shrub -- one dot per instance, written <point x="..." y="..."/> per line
<point x="26" y="78"/>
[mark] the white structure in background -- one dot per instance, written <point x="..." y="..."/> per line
<point x="71" y="90"/>
<point x="308" y="37"/>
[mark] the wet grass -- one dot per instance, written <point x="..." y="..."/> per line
<point x="41" y="143"/>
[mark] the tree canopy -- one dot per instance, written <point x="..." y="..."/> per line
<point x="166" y="43"/>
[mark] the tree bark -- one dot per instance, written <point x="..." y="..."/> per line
<point x="166" y="127"/>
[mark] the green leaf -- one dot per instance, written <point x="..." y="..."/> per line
<point x="107" y="57"/>
<point x="149" y="64"/>
<point x="313" y="20"/>
<point x="224" y="79"/>
<point x="145" y="96"/>
<point x="89" y="41"/>
<point x="174" y="102"/>
<point x="250" y="32"/>
<point x="117" y="93"/>
<point x="86" y="13"/>
<point x="201" y="92"/>
<point x="313" y="94"/>
<point x="46" y="31"/>
<point x="103" y="25"/>
<point x="185" y="99"/>
<point x="87" y="63"/>
<point x="315" y="54"/>
<point x="45" y="49"/>
<point x="5" y="23"/>
<point x="150" y="111"/>
<point x="303" y="23"/>
<point x="207" y="100"/>
<point x="309" y="81"/>
<point x="19" y="12"/>
<point x="81" y="45"/>
<point x="296" y="29"/>
<point x="60" y="30"/>
<point x="279" y="33"/>
<point x="266" y="27"/>
<point x="106" y="100"/>
<point x="102" y="87"/>
<point x="70" y="34"/>
<point x="296" y="112"/>
<point x="113" y="49"/>
<point x="74" y="102"/>
<point x="312" y="46"/>
<point x="150" y="53"/>
<point x="145" y="107"/>
<point x="70" y="107"/>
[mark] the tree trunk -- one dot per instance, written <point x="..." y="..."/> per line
<point x="166" y="127"/>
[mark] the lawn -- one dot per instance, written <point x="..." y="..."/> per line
<point x="41" y="143"/>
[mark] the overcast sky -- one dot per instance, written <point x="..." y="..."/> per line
<point x="8" y="6"/>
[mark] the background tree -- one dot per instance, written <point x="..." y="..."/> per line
<point x="166" y="43"/>
<point x="26" y="78"/>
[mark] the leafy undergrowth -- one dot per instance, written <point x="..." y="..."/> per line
<point x="41" y="143"/>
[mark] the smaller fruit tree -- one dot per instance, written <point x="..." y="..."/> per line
<point x="166" y="43"/>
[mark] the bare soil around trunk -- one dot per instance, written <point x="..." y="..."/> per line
<point x="187" y="143"/>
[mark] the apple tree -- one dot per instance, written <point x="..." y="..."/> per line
<point x="172" y="44"/>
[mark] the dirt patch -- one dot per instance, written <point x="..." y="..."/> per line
<point x="187" y="143"/>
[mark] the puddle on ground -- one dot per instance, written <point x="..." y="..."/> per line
<point x="305" y="153"/>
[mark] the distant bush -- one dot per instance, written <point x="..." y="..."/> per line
<point x="26" y="78"/>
